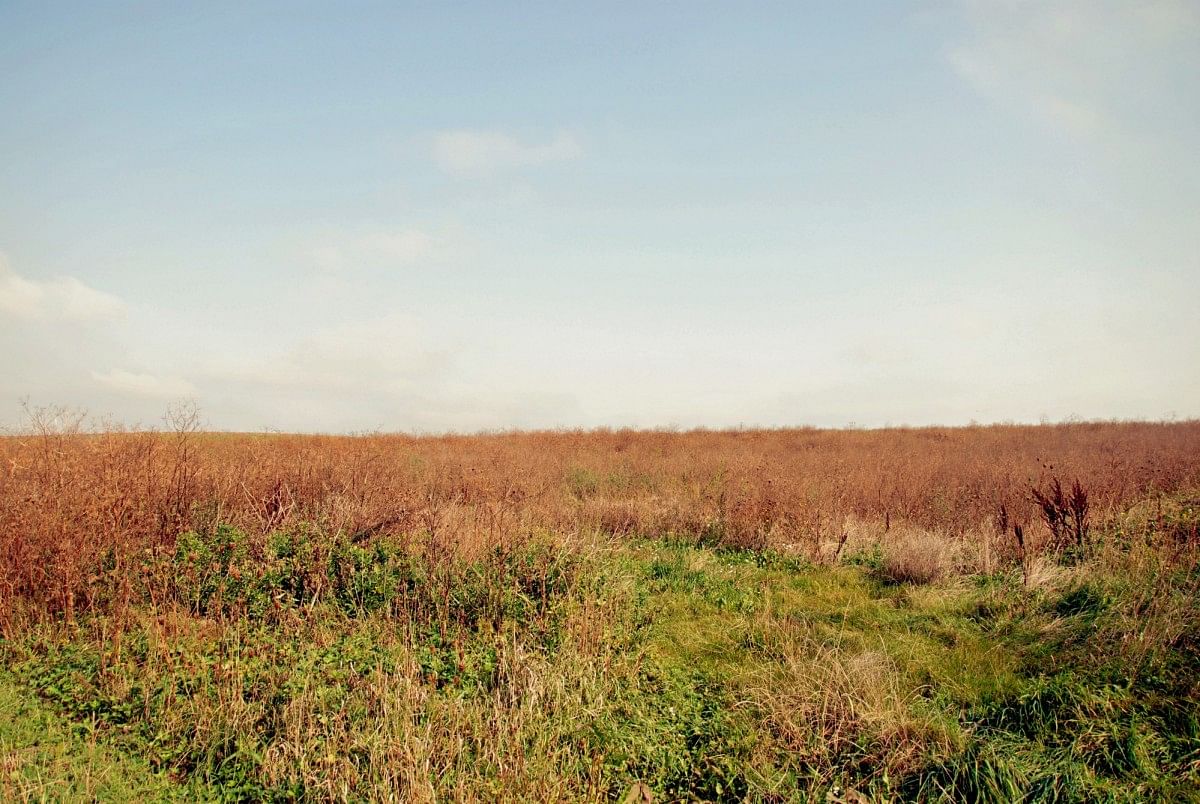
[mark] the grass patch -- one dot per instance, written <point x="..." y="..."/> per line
<point x="46" y="757"/>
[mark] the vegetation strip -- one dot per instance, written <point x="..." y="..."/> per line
<point x="305" y="662"/>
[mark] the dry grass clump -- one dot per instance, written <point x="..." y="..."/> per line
<point x="824" y="702"/>
<point x="917" y="557"/>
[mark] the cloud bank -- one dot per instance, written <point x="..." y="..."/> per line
<point x="62" y="298"/>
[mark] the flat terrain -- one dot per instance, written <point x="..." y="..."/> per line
<point x="601" y="616"/>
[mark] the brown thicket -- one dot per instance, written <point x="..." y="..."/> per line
<point x="83" y="510"/>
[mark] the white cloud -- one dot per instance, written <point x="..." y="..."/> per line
<point x="78" y="302"/>
<point x="468" y="152"/>
<point x="1003" y="74"/>
<point x="148" y="385"/>
<point x="1082" y="67"/>
<point x="62" y="298"/>
<point x="18" y="296"/>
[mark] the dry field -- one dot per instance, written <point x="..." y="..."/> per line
<point x="982" y="613"/>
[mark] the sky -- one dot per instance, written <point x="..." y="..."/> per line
<point x="346" y="217"/>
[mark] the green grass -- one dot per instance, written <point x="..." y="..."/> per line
<point x="1005" y="694"/>
<point x="548" y="673"/>
<point x="46" y="757"/>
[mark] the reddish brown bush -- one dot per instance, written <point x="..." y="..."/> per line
<point x="81" y="511"/>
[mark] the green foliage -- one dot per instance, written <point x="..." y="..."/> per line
<point x="224" y="574"/>
<point x="676" y="732"/>
<point x="1084" y="599"/>
<point x="717" y="583"/>
<point x="47" y="757"/>
<point x="210" y="569"/>
<point x="871" y="559"/>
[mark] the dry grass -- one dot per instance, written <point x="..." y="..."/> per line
<point x="822" y="700"/>
<point x="917" y="557"/>
<point x="82" y="512"/>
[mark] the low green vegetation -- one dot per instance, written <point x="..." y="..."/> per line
<point x="45" y="757"/>
<point x="308" y="667"/>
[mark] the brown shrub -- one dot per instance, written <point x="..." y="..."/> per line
<point x="80" y="508"/>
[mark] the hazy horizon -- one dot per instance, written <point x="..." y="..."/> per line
<point x="64" y="418"/>
<point x="567" y="216"/>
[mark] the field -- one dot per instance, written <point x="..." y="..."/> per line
<point x="990" y="613"/>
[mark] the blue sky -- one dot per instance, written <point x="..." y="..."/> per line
<point x="465" y="216"/>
